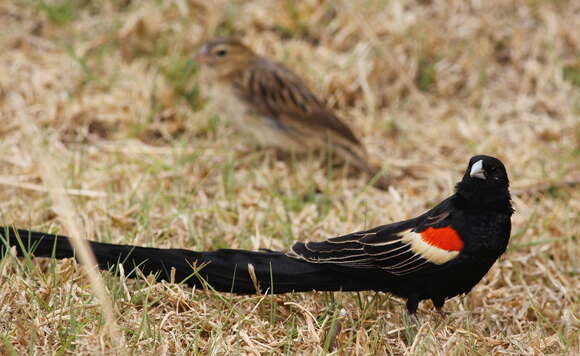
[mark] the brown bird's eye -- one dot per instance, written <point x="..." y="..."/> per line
<point x="221" y="53"/>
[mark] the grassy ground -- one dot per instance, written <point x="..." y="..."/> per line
<point x="108" y="93"/>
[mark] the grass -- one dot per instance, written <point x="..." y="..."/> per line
<point x="148" y="159"/>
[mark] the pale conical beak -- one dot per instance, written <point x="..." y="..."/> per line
<point x="477" y="170"/>
<point x="201" y="56"/>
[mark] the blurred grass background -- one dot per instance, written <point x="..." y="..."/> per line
<point x="148" y="160"/>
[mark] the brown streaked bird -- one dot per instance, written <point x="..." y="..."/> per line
<point x="279" y="108"/>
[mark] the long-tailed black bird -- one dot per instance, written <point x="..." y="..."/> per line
<point x="440" y="254"/>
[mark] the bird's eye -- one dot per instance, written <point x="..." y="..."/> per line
<point x="221" y="53"/>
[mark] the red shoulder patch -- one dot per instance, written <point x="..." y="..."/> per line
<point x="445" y="238"/>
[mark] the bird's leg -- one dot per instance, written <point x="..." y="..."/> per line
<point x="412" y="304"/>
<point x="415" y="319"/>
<point x="438" y="303"/>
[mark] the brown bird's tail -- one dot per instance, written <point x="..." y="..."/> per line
<point x="358" y="157"/>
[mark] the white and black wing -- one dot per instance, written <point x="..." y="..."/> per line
<point x="399" y="249"/>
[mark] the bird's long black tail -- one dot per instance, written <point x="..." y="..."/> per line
<point x="225" y="270"/>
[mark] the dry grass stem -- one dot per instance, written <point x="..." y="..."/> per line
<point x="48" y="168"/>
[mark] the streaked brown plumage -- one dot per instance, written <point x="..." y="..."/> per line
<point x="283" y="111"/>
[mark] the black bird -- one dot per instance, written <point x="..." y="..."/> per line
<point x="438" y="255"/>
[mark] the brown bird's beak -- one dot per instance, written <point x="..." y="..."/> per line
<point x="201" y="56"/>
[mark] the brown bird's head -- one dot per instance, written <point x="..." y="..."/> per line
<point x="224" y="56"/>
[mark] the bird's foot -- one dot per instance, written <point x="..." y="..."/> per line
<point x="441" y="313"/>
<point x="415" y="319"/>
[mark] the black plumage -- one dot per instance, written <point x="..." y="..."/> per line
<point x="437" y="255"/>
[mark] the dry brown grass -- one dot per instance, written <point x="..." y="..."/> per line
<point x="146" y="161"/>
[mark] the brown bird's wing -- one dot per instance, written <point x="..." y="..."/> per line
<point x="279" y="95"/>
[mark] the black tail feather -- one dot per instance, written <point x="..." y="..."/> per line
<point x="224" y="270"/>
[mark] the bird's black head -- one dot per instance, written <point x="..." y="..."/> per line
<point x="485" y="184"/>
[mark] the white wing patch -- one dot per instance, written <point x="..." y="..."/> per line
<point x="429" y="252"/>
<point x="400" y="254"/>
